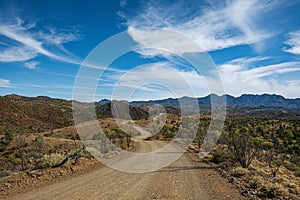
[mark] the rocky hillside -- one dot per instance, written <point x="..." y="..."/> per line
<point x="26" y="114"/>
<point x="119" y="111"/>
<point x="38" y="114"/>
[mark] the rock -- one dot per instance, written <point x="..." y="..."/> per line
<point x="245" y="192"/>
<point x="58" y="174"/>
<point x="254" y="192"/>
<point x="35" y="174"/>
<point x="7" y="185"/>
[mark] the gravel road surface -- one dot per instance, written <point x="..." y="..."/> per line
<point x="186" y="178"/>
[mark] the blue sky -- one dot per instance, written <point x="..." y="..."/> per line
<point x="254" y="44"/>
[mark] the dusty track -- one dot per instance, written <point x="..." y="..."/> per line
<point x="187" y="178"/>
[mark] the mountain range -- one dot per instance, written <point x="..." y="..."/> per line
<point x="42" y="113"/>
<point x="245" y="100"/>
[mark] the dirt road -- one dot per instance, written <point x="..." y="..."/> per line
<point x="187" y="178"/>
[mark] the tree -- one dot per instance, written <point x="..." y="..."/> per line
<point x="275" y="154"/>
<point x="9" y="136"/>
<point x="40" y="143"/>
<point x="275" y="161"/>
<point x="21" y="148"/>
<point x="241" y="144"/>
<point x="40" y="148"/>
<point x="200" y="136"/>
<point x="128" y="139"/>
<point x="101" y="138"/>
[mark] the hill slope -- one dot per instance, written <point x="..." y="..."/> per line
<point x="120" y="108"/>
<point x="26" y="114"/>
<point x="37" y="114"/>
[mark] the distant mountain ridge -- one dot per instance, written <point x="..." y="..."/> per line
<point x="106" y="111"/>
<point x="245" y="100"/>
<point x="42" y="113"/>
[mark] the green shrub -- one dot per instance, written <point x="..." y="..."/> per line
<point x="82" y="153"/>
<point x="5" y="172"/>
<point x="291" y="166"/>
<point x="297" y="173"/>
<point x="15" y="161"/>
<point x="9" y="136"/>
<point x="47" y="134"/>
<point x="52" y="159"/>
<point x="220" y="155"/>
<point x="85" y="154"/>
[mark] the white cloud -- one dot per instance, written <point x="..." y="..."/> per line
<point x="293" y="42"/>
<point x="59" y="38"/>
<point x="123" y="3"/>
<point x="158" y="80"/>
<point x="5" y="83"/>
<point x="249" y="61"/>
<point x="52" y="36"/>
<point x="14" y="54"/>
<point x="31" y="65"/>
<point x="214" y="27"/>
<point x="240" y="78"/>
<point x="29" y="43"/>
<point x="20" y="33"/>
<point x="163" y="42"/>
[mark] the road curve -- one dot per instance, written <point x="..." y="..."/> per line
<point x="186" y="178"/>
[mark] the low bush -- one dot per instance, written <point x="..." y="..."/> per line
<point x="85" y="154"/>
<point x="5" y="172"/>
<point x="15" y="161"/>
<point x="256" y="182"/>
<point x="291" y="166"/>
<point x="272" y="190"/>
<point x="239" y="172"/>
<point x="47" y="134"/>
<point x="52" y="159"/>
<point x="297" y="173"/>
<point x="220" y="155"/>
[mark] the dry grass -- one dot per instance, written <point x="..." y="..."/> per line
<point x="258" y="181"/>
<point x="239" y="172"/>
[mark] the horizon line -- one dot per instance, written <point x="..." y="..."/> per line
<point x="273" y="94"/>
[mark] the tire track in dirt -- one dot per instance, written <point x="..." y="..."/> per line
<point x="186" y="178"/>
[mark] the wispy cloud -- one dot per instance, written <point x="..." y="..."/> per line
<point x="69" y="95"/>
<point x="161" y="79"/>
<point x="16" y="54"/>
<point x="214" y="26"/>
<point x="58" y="38"/>
<point x="4" y="83"/>
<point x="242" y="76"/>
<point x="123" y="3"/>
<point x="20" y="33"/>
<point x="26" y="43"/>
<point x="31" y="64"/>
<point x="293" y="42"/>
<point x="239" y="76"/>
<point x="29" y="44"/>
<point x="55" y="86"/>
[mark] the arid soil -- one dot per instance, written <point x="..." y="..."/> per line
<point x="187" y="178"/>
